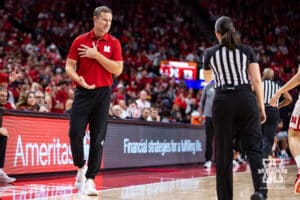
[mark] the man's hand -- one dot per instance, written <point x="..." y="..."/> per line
<point x="88" y="52"/>
<point x="3" y="131"/>
<point x="263" y="116"/>
<point x="82" y="82"/>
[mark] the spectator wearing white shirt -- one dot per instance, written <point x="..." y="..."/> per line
<point x="142" y="102"/>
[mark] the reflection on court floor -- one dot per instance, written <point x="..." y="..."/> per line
<point x="176" y="182"/>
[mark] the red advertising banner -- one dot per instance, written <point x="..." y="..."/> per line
<point x="37" y="145"/>
<point x="40" y="144"/>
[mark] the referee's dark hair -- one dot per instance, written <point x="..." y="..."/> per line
<point x="230" y="38"/>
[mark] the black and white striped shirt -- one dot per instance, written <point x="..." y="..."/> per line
<point x="229" y="66"/>
<point x="270" y="88"/>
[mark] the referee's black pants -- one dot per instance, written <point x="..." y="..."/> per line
<point x="236" y="114"/>
<point x="269" y="129"/>
<point x="209" y="132"/>
<point x="3" y="142"/>
<point x="89" y="107"/>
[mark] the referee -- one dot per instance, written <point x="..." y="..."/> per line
<point x="269" y="128"/>
<point x="205" y="109"/>
<point x="237" y="111"/>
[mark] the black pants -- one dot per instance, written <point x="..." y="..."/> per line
<point x="89" y="107"/>
<point x="3" y="142"/>
<point x="269" y="129"/>
<point x="235" y="114"/>
<point x="209" y="132"/>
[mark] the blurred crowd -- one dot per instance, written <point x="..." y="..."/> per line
<point x="35" y="36"/>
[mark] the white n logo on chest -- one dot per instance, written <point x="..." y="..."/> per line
<point x="106" y="49"/>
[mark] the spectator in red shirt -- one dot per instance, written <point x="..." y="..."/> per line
<point x="60" y="97"/>
<point x="180" y="100"/>
<point x="119" y="94"/>
<point x="5" y="78"/>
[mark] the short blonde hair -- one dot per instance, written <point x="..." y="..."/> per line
<point x="101" y="9"/>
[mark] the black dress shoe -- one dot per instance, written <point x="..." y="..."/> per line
<point x="257" y="196"/>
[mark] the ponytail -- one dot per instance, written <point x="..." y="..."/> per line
<point x="231" y="40"/>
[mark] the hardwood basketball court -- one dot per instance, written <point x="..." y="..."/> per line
<point x="191" y="182"/>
